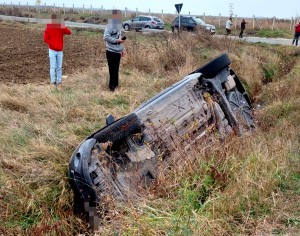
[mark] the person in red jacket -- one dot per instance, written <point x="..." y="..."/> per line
<point x="54" y="37"/>
<point x="297" y="34"/>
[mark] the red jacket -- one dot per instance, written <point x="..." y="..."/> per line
<point x="54" y="36"/>
<point x="297" y="28"/>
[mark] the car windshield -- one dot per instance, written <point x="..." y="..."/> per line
<point x="199" y="21"/>
<point x="157" y="19"/>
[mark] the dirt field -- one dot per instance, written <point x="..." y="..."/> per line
<point x="24" y="55"/>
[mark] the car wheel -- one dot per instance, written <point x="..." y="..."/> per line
<point x="211" y="69"/>
<point x="126" y="27"/>
<point x="242" y="110"/>
<point x="147" y="27"/>
<point x="175" y="29"/>
<point x="118" y="129"/>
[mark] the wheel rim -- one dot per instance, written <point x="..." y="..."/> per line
<point x="242" y="110"/>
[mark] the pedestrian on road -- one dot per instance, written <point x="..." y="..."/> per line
<point x="297" y="34"/>
<point x="243" y="26"/>
<point x="115" y="49"/>
<point x="228" y="26"/>
<point x="54" y="37"/>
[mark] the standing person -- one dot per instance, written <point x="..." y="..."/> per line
<point x="243" y="26"/>
<point x="54" y="37"/>
<point x="115" y="48"/>
<point x="228" y="26"/>
<point x="297" y="34"/>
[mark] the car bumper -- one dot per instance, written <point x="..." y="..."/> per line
<point x="158" y="27"/>
<point x="80" y="179"/>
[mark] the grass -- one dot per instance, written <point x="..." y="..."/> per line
<point x="244" y="186"/>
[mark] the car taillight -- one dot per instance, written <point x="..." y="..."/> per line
<point x="154" y="22"/>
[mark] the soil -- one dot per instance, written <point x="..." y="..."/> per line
<point x="24" y="55"/>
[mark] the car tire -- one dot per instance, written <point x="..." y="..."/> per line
<point x="147" y="27"/>
<point x="242" y="110"/>
<point x="211" y="69"/>
<point x="175" y="29"/>
<point x="126" y="27"/>
<point x="118" y="129"/>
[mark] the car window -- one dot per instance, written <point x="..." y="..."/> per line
<point x="145" y="19"/>
<point x="157" y="19"/>
<point x="199" y="21"/>
<point x="136" y="19"/>
<point x="184" y="20"/>
<point x="191" y="21"/>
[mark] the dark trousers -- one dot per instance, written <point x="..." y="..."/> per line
<point x="241" y="33"/>
<point x="296" y="38"/>
<point x="113" y="60"/>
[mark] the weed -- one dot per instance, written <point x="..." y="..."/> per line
<point x="233" y="187"/>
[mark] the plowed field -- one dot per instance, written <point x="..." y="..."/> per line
<point x="24" y="55"/>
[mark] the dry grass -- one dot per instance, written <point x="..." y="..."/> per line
<point x="238" y="187"/>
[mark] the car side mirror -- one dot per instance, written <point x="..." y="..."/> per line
<point x="132" y="20"/>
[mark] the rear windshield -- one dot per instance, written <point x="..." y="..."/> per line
<point x="157" y="19"/>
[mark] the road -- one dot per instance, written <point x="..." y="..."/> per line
<point x="281" y="41"/>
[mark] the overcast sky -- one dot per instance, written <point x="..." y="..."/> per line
<point x="259" y="8"/>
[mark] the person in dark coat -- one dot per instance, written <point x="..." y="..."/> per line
<point x="243" y="26"/>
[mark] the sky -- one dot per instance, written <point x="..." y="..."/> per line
<point x="259" y="8"/>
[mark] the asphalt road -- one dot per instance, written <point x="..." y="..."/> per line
<point x="281" y="41"/>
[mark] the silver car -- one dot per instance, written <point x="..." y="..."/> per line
<point x="128" y="154"/>
<point x="140" y="22"/>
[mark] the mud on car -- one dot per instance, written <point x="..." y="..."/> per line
<point x="124" y="155"/>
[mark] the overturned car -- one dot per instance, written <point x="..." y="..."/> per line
<point x="118" y="159"/>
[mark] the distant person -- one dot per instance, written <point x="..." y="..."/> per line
<point x="243" y="26"/>
<point x="228" y="26"/>
<point x="114" y="47"/>
<point x="54" y="37"/>
<point x="296" y="34"/>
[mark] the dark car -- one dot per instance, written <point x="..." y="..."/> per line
<point x="192" y="23"/>
<point x="140" y="22"/>
<point x="123" y="157"/>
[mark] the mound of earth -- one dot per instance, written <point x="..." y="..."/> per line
<point x="24" y="55"/>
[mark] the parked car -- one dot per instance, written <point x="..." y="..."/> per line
<point x="117" y="161"/>
<point x="140" y="22"/>
<point x="192" y="23"/>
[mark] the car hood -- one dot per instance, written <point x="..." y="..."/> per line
<point x="210" y="26"/>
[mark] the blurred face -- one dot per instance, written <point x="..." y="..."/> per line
<point x="55" y="20"/>
<point x="115" y="21"/>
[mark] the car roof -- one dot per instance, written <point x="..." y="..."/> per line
<point x="148" y="16"/>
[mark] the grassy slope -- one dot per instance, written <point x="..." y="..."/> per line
<point x="247" y="185"/>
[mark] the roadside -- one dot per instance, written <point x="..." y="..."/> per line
<point x="250" y="39"/>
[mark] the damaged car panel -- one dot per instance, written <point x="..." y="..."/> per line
<point x="123" y="157"/>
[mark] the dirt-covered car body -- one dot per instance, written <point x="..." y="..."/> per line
<point x="124" y="154"/>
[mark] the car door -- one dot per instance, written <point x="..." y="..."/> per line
<point x="144" y="21"/>
<point x="184" y="23"/>
<point x="135" y="22"/>
<point x="191" y="25"/>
